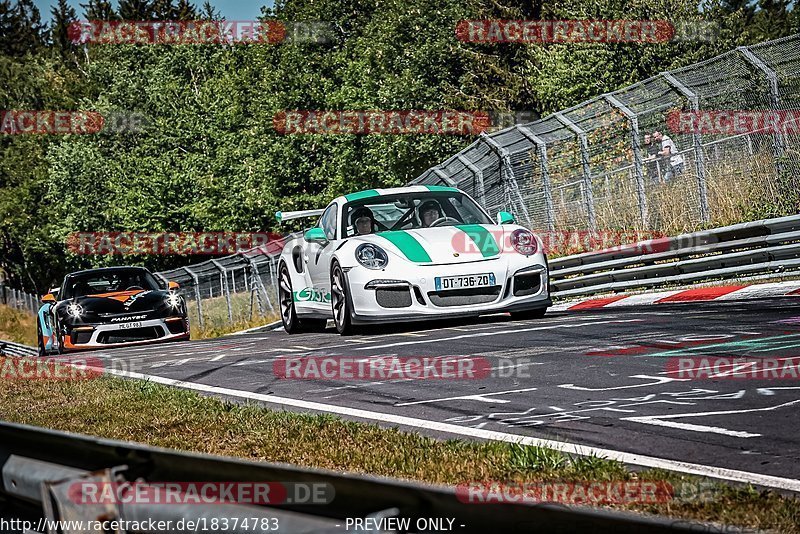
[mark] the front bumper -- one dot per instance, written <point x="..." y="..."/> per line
<point x="107" y="335"/>
<point x="410" y="294"/>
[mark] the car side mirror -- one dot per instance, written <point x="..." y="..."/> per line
<point x="173" y="285"/>
<point x="315" y="235"/>
<point x="505" y="217"/>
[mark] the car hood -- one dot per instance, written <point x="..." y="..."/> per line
<point x="444" y="245"/>
<point x="122" y="301"/>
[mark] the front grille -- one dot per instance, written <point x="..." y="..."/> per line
<point x="464" y="297"/>
<point x="131" y="334"/>
<point x="393" y="297"/>
<point x="527" y="284"/>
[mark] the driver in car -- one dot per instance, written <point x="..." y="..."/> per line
<point x="363" y="220"/>
<point x="429" y="211"/>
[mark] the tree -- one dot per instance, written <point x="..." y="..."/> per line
<point x="21" y="29"/>
<point x="63" y="15"/>
<point x="99" y="10"/>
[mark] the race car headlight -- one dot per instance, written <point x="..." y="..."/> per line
<point x="371" y="256"/>
<point x="75" y="310"/>
<point x="173" y="300"/>
<point x="524" y="242"/>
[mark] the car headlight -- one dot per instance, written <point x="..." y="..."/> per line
<point x="371" y="256"/>
<point x="524" y="242"/>
<point x="75" y="310"/>
<point x="173" y="300"/>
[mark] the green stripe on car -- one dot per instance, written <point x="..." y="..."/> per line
<point x="362" y="194"/>
<point x="482" y="238"/>
<point x="441" y="188"/>
<point x="407" y="244"/>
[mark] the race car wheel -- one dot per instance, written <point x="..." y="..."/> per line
<point x="291" y="322"/>
<point x="288" y="314"/>
<point x="42" y="351"/>
<point x="340" y="302"/>
<point x="59" y="336"/>
<point x="529" y="314"/>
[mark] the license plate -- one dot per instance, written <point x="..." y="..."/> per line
<point x="125" y="326"/>
<point x="444" y="283"/>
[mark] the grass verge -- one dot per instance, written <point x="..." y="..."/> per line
<point x="17" y="325"/>
<point x="217" y="322"/>
<point x="157" y="415"/>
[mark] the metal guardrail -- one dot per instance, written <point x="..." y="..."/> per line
<point x="754" y="248"/>
<point x="765" y="247"/>
<point x="39" y="466"/>
<point x="9" y="348"/>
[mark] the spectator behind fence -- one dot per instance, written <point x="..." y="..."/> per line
<point x="652" y="159"/>
<point x="669" y="150"/>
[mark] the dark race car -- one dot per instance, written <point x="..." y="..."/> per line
<point x="109" y="307"/>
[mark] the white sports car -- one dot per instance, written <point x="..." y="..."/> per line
<point x="407" y="254"/>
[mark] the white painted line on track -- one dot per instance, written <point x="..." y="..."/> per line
<point x="660" y="420"/>
<point x="479" y="433"/>
<point x="480" y="397"/>
<point x="695" y="428"/>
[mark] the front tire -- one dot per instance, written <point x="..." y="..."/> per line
<point x="286" y="301"/>
<point x="59" y="337"/>
<point x="528" y="314"/>
<point x="291" y="322"/>
<point x="340" y="302"/>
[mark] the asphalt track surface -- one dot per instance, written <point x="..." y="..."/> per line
<point x="595" y="378"/>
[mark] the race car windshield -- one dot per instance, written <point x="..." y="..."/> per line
<point x="414" y="211"/>
<point x="94" y="283"/>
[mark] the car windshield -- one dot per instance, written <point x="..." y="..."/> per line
<point x="412" y="210"/>
<point x="98" y="282"/>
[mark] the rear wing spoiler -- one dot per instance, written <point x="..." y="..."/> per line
<point x="288" y="215"/>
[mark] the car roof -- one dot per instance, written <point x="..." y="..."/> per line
<point x="369" y="193"/>
<point x="107" y="269"/>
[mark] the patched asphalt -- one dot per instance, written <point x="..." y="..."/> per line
<point x="596" y="378"/>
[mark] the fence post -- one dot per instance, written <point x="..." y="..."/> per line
<point x="779" y="144"/>
<point x="637" y="153"/>
<point x="480" y="192"/>
<point x="197" y="296"/>
<point x="541" y="146"/>
<point x="443" y="176"/>
<point x="224" y="288"/>
<point x="510" y="186"/>
<point x="587" y="171"/>
<point x="257" y="285"/>
<point x="699" y="158"/>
